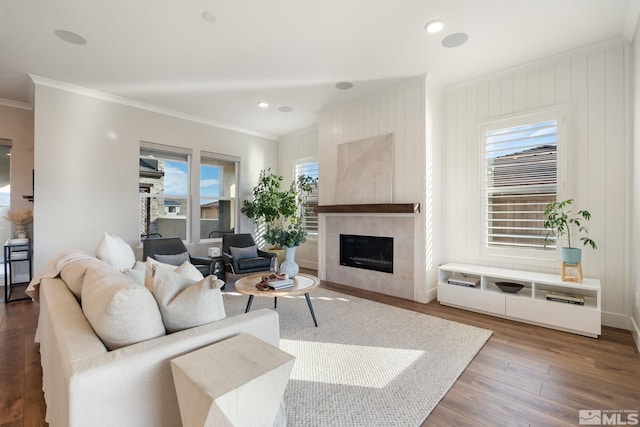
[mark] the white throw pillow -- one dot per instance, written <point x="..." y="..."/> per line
<point x="73" y="274"/>
<point x="185" y="303"/>
<point x="115" y="252"/>
<point x="186" y="269"/>
<point x="120" y="311"/>
<point x="136" y="274"/>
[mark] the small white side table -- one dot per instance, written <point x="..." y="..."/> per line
<point x="236" y="382"/>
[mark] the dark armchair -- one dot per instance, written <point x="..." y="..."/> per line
<point x="173" y="249"/>
<point x="241" y="254"/>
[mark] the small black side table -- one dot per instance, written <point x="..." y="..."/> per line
<point x="15" y="253"/>
<point x="219" y="268"/>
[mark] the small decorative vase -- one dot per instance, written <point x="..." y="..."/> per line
<point x="289" y="266"/>
<point x="20" y="231"/>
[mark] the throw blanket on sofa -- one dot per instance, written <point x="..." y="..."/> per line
<point x="52" y="269"/>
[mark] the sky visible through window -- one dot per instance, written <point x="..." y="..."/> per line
<point x="513" y="140"/>
<point x="176" y="179"/>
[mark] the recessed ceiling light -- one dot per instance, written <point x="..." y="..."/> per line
<point x="285" y="109"/>
<point x="434" y="26"/>
<point x="455" y="40"/>
<point x="344" y="85"/>
<point x="209" y="17"/>
<point x="70" y="37"/>
<point x="263" y="104"/>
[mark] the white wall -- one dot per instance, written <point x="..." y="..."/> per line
<point x="401" y="110"/>
<point x="86" y="161"/>
<point x="593" y="81"/>
<point x="634" y="180"/>
<point x="292" y="147"/>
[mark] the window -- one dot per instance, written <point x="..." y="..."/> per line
<point x="164" y="191"/>
<point x="309" y="167"/>
<point x="218" y="178"/>
<point x="521" y="171"/>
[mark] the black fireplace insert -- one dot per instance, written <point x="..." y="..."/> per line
<point x="367" y="252"/>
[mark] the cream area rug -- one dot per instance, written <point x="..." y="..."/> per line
<point x="367" y="363"/>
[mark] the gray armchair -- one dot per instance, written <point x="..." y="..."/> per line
<point x="174" y="246"/>
<point x="242" y="256"/>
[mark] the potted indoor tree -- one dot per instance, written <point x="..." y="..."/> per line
<point x="281" y="212"/>
<point x="562" y="221"/>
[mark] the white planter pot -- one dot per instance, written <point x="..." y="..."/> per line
<point x="289" y="266"/>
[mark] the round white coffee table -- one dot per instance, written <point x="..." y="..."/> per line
<point x="302" y="285"/>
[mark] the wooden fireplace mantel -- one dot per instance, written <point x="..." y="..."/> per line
<point x="394" y="208"/>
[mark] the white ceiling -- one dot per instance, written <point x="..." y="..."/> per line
<point x="287" y="52"/>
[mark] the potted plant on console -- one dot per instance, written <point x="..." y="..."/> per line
<point x="561" y="221"/>
<point x="281" y="212"/>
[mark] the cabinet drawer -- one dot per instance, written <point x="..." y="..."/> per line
<point x="556" y="314"/>
<point x="472" y="298"/>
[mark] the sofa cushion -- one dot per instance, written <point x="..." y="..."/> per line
<point x="119" y="310"/>
<point x="247" y="263"/>
<point x="175" y="259"/>
<point x="243" y="253"/>
<point x="115" y="252"/>
<point x="73" y="274"/>
<point x="185" y="303"/>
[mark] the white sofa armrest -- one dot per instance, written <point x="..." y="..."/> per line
<point x="137" y="379"/>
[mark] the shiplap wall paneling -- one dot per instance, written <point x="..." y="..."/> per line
<point x="594" y="83"/>
<point x="616" y="164"/>
<point x="399" y="110"/>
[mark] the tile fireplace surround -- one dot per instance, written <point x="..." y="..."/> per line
<point x="401" y="227"/>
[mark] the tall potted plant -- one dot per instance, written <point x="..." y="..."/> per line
<point x="281" y="212"/>
<point x="561" y="220"/>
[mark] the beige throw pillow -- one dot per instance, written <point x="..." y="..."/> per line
<point x="185" y="303"/>
<point x="120" y="311"/>
<point x="185" y="269"/>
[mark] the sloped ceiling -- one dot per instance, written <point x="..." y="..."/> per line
<point x="290" y="53"/>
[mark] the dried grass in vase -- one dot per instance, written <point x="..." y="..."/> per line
<point x="19" y="216"/>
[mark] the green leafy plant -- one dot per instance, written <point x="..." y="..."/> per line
<point x="560" y="219"/>
<point x="280" y="210"/>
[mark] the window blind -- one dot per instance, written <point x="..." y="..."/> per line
<point x="522" y="174"/>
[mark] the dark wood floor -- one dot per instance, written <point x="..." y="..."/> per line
<point x="524" y="376"/>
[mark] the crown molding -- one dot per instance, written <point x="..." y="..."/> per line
<point x="43" y="81"/>
<point x="15" y="104"/>
<point x="631" y="19"/>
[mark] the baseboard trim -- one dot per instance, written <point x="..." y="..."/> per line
<point x="426" y="297"/>
<point x="616" y="320"/>
<point x="307" y="264"/>
<point x="635" y="332"/>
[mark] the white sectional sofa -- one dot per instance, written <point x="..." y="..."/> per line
<point x="85" y="384"/>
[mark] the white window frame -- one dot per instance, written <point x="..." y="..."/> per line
<point x="235" y="196"/>
<point x="560" y="113"/>
<point x="311" y="236"/>
<point x="178" y="151"/>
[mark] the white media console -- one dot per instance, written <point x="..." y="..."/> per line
<point x="530" y="304"/>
